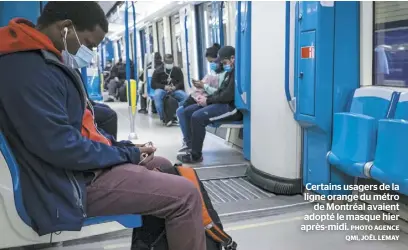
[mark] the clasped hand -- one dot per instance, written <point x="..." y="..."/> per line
<point x="202" y="101"/>
<point x="169" y="88"/>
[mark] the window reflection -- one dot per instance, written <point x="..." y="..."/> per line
<point x="390" y="64"/>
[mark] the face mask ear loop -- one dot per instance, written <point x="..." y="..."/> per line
<point x="79" y="42"/>
<point x="65" y="39"/>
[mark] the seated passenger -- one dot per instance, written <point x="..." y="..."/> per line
<point x="142" y="78"/>
<point x="66" y="176"/>
<point x="118" y="81"/>
<point x="105" y="117"/>
<point x="215" y="107"/>
<point x="205" y="87"/>
<point x="168" y="79"/>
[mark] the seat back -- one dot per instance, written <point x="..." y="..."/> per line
<point x="372" y="101"/>
<point x="390" y="164"/>
<point x="126" y="220"/>
<point x="15" y="176"/>
<point x="401" y="111"/>
<point x="150" y="90"/>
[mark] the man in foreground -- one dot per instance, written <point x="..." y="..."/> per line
<point x="44" y="115"/>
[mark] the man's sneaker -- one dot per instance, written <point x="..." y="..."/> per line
<point x="142" y="111"/>
<point x="184" y="149"/>
<point x="169" y="123"/>
<point x="189" y="158"/>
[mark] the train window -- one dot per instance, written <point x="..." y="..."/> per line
<point x="213" y="24"/>
<point x="176" y="40"/>
<point x="151" y="38"/>
<point x="160" y="35"/>
<point x="390" y="43"/>
<point x="225" y="22"/>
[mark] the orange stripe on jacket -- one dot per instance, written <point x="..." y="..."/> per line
<point x="89" y="130"/>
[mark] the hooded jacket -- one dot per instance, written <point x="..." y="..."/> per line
<point x="49" y="125"/>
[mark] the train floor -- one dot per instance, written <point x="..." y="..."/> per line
<point x="256" y="219"/>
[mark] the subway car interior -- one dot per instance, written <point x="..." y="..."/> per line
<point x="323" y="91"/>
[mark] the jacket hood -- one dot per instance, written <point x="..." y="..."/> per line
<point x="21" y="35"/>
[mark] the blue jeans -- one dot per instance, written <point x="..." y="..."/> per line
<point x="159" y="94"/>
<point x="197" y="118"/>
<point x="182" y="122"/>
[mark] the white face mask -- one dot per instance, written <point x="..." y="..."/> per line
<point x="81" y="59"/>
<point x="168" y="66"/>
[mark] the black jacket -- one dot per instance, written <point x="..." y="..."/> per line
<point x="226" y="93"/>
<point x="159" y="78"/>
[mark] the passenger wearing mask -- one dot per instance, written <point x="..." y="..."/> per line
<point x="168" y="79"/>
<point x="205" y="87"/>
<point x="218" y="106"/>
<point x="118" y="79"/>
<point x="68" y="169"/>
<point x="143" y="90"/>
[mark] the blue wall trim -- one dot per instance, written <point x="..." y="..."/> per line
<point x="135" y="68"/>
<point x="287" y="52"/>
<point x="243" y="69"/>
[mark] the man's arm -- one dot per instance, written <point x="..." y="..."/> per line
<point x="156" y="82"/>
<point x="178" y="79"/>
<point x="223" y="95"/>
<point x="36" y="107"/>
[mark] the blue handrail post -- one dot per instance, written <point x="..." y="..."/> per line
<point x="130" y="95"/>
<point x="135" y="44"/>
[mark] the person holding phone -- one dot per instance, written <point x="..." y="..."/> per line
<point x="212" y="108"/>
<point x="207" y="86"/>
<point x="168" y="79"/>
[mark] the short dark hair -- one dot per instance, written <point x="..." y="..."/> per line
<point x="168" y="58"/>
<point x="84" y="15"/>
<point x="212" y="51"/>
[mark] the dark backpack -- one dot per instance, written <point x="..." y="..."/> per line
<point x="170" y="105"/>
<point x="152" y="235"/>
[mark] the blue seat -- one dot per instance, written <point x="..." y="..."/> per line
<point x="401" y="112"/>
<point x="150" y="91"/>
<point x="128" y="221"/>
<point x="391" y="158"/>
<point x="354" y="132"/>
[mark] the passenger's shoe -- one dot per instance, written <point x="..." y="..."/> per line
<point x="184" y="149"/>
<point x="175" y="122"/>
<point x="142" y="111"/>
<point x="189" y="158"/>
<point x="169" y="123"/>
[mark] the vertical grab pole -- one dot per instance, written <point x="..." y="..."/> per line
<point x="135" y="46"/>
<point x="131" y="84"/>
